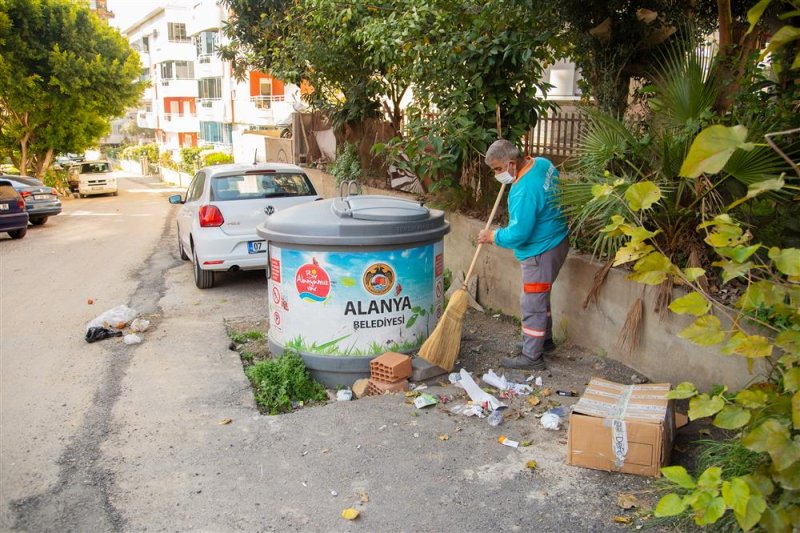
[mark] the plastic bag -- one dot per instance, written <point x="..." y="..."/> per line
<point x="140" y="324"/>
<point x="118" y="317"/>
<point x="132" y="339"/>
<point x="550" y="421"/>
<point x="95" y="334"/>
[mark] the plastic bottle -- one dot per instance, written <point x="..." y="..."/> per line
<point x="495" y="418"/>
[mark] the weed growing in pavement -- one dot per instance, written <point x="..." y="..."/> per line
<point x="283" y="380"/>
<point x="241" y="338"/>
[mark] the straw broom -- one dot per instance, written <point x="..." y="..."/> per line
<point x="441" y="348"/>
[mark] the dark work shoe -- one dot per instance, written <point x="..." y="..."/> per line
<point x="524" y="363"/>
<point x="548" y="347"/>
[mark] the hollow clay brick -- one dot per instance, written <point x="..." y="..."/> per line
<point x="390" y="367"/>
<point x="376" y="388"/>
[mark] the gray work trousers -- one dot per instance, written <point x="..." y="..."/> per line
<point x="538" y="274"/>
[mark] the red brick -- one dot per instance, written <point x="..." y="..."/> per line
<point x="390" y="367"/>
<point x="376" y="388"/>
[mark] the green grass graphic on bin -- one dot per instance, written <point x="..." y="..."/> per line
<point x="333" y="347"/>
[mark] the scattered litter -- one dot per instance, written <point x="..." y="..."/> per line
<point x="416" y="435"/>
<point x="502" y="384"/>
<point x="531" y="465"/>
<point x="560" y="411"/>
<point x="636" y="379"/>
<point x="90" y="301"/>
<point x="225" y="421"/>
<point x="132" y="338"/>
<point x="382" y="427"/>
<point x="140" y="324"/>
<point x="628" y="501"/>
<point x="344" y="395"/>
<point x="544" y="393"/>
<point x="350" y="513"/>
<point x="507" y="442"/>
<point x="539" y="382"/>
<point x="425" y="400"/>
<point x="566" y="393"/>
<point x="496" y="316"/>
<point x="477" y="394"/>
<point x="420" y="387"/>
<point x="363" y="497"/>
<point x="358" y="447"/>
<point x="444" y="437"/>
<point x="97" y="333"/>
<point x="118" y="317"/>
<point x="623" y="519"/>
<point x="326" y="450"/>
<point x="496" y="418"/>
<point x="526" y="443"/>
<point x="454" y="377"/>
<point x="534" y="400"/>
<point x="550" y="421"/>
<point x="468" y="410"/>
<point x="334" y="493"/>
<point x="305" y="452"/>
<point x="305" y="484"/>
<point x="411" y="394"/>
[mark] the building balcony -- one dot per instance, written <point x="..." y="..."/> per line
<point x="264" y="111"/>
<point x="173" y="88"/>
<point x="208" y="66"/>
<point x="180" y="122"/>
<point x="145" y="119"/>
<point x="172" y="51"/>
<point x="212" y="110"/>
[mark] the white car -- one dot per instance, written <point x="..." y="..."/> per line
<point x="222" y="207"/>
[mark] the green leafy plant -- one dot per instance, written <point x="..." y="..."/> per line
<point x="765" y="415"/>
<point x="144" y="150"/>
<point x="190" y="159"/>
<point x="283" y="380"/>
<point x="347" y="166"/>
<point x="216" y="158"/>
<point x="241" y="338"/>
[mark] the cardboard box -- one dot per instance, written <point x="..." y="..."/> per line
<point x="622" y="428"/>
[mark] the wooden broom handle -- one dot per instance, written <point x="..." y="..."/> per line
<point x="488" y="224"/>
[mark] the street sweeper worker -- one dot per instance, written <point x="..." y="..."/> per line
<point x="537" y="232"/>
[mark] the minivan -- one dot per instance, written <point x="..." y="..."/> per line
<point x="92" y="177"/>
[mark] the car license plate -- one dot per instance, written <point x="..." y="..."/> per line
<point x="256" y="247"/>
<point x="3" y="207"/>
<point x="41" y="196"/>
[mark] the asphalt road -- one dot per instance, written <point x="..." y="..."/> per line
<point x="109" y="437"/>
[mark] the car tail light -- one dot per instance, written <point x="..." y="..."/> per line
<point x="21" y="204"/>
<point x="25" y="194"/>
<point x="210" y="216"/>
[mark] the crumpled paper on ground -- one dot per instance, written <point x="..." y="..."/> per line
<point x="478" y="395"/>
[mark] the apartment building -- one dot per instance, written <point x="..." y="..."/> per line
<point x="193" y="98"/>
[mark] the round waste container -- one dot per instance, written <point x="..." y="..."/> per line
<point x="351" y="278"/>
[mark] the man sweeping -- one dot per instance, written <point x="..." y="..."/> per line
<point x="537" y="232"/>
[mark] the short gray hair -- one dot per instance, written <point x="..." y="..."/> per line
<point x="502" y="150"/>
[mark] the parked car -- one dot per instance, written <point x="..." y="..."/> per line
<point x="41" y="201"/>
<point x="92" y="177"/>
<point x="221" y="209"/>
<point x="13" y="216"/>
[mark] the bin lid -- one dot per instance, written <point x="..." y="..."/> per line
<point x="356" y="220"/>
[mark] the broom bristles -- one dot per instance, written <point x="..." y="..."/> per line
<point x="442" y="347"/>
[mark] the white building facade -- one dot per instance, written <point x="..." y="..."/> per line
<point x="193" y="98"/>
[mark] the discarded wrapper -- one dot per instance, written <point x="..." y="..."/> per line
<point x="501" y="383"/>
<point x="132" y="338"/>
<point x="425" y="400"/>
<point x="344" y="395"/>
<point x="550" y="421"/>
<point x="505" y="441"/>
<point x="468" y="410"/>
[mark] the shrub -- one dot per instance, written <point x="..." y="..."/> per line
<point x="135" y="152"/>
<point x="217" y="158"/>
<point x="347" y="166"/>
<point x="283" y="380"/>
<point x="190" y="158"/>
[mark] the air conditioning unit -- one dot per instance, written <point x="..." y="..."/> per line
<point x="155" y="33"/>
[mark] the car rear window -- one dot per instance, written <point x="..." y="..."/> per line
<point x="95" y="168"/>
<point x="266" y="185"/>
<point x="7" y="192"/>
<point x="30" y="182"/>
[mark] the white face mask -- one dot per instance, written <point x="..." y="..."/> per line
<point x="504" y="177"/>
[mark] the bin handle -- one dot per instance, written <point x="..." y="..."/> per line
<point x="349" y="188"/>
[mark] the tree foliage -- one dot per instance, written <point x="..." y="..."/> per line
<point x="63" y="75"/>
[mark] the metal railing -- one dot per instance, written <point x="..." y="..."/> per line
<point x="265" y="102"/>
<point x="169" y="117"/>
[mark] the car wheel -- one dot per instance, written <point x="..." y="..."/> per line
<point x="18" y="233"/>
<point x="204" y="279"/>
<point x="38" y="221"/>
<point x="181" y="251"/>
<point x="114" y="193"/>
